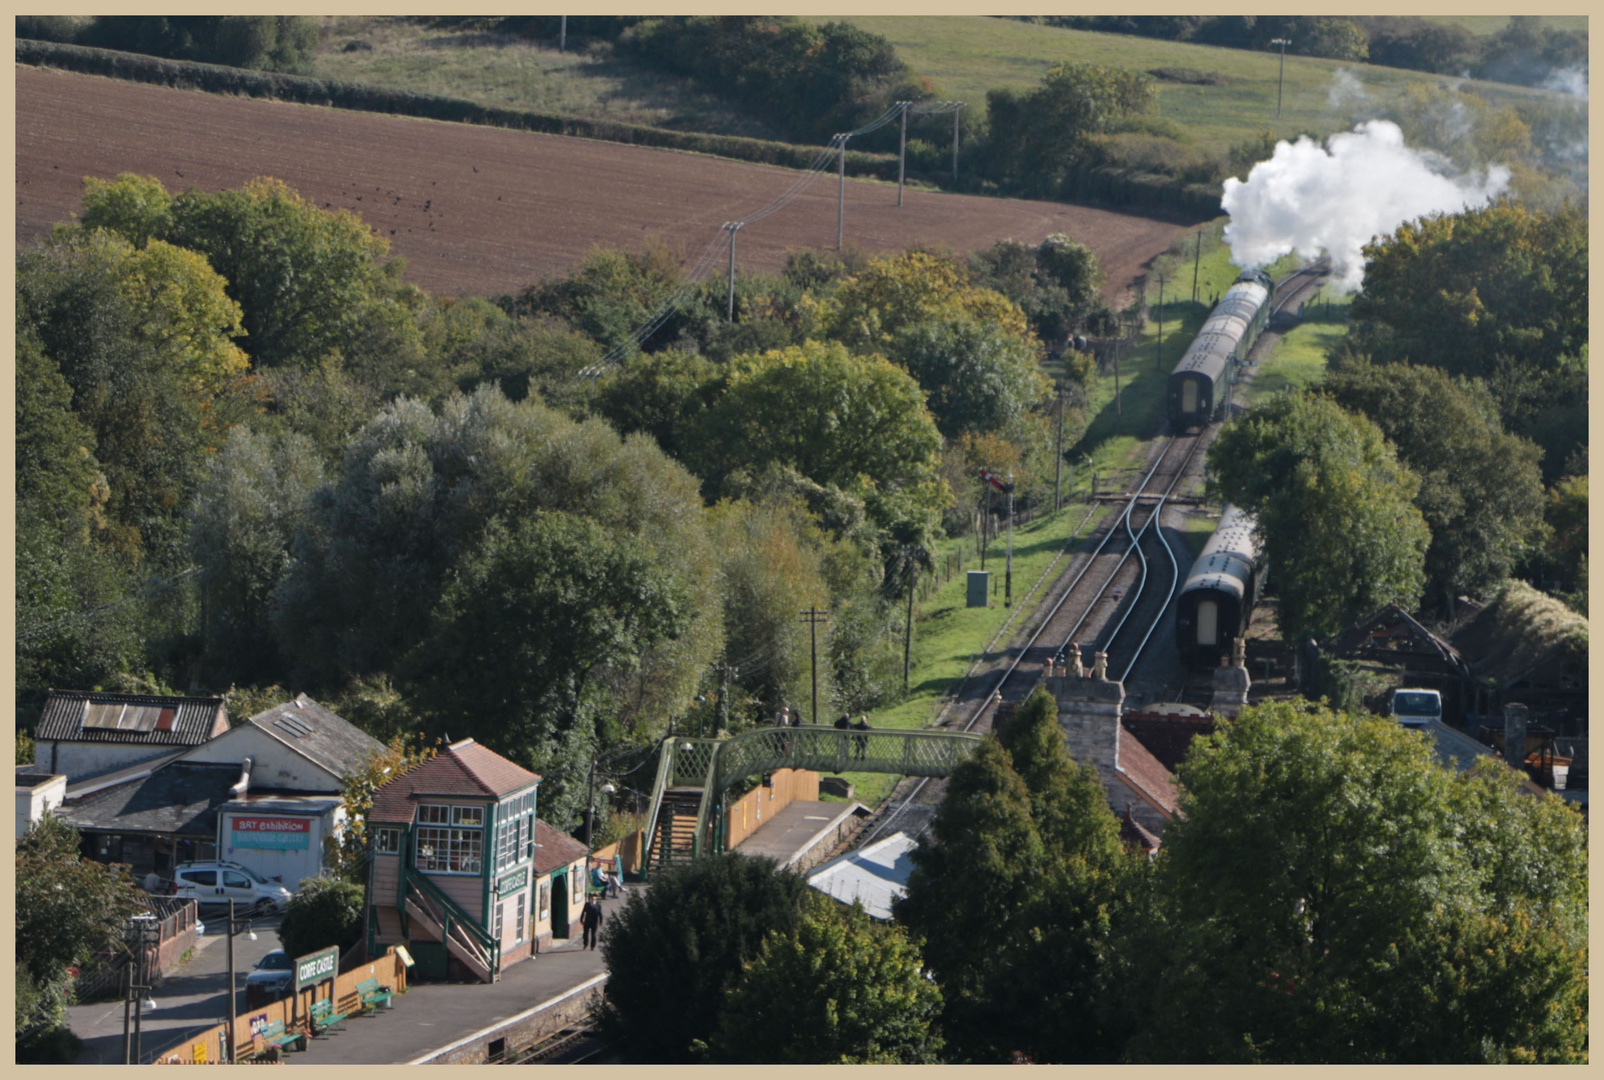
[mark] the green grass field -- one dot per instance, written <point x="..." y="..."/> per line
<point x="508" y="72"/>
<point x="967" y="55"/>
<point x="948" y="634"/>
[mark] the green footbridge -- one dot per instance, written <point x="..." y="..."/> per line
<point x="693" y="774"/>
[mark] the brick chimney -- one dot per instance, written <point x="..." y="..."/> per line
<point x="1089" y="708"/>
<point x="1515" y="734"/>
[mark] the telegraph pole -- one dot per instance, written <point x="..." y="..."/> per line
<point x="813" y="616"/>
<point x="902" y="149"/>
<point x="955" y="141"/>
<point x="726" y="673"/>
<point x="1160" y="358"/>
<point x="1281" y="80"/>
<point x="562" y="35"/>
<point x="1058" y="458"/>
<point x="733" y="227"/>
<point x="841" y="194"/>
<point x="1008" y="575"/>
<point x="1197" y="257"/>
<point x="907" y="633"/>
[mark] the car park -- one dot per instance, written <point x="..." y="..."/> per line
<point x="219" y="882"/>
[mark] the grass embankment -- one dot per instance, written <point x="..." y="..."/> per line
<point x="508" y="72"/>
<point x="948" y="635"/>
<point x="965" y="56"/>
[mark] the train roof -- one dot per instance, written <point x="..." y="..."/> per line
<point x="1228" y="558"/>
<point x="1224" y="327"/>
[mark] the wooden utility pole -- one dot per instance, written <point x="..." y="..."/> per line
<point x="841" y="195"/>
<point x="1197" y="257"/>
<point x="1058" y="458"/>
<point x="733" y="227"/>
<point x="907" y="633"/>
<point x="1160" y="348"/>
<point x="902" y="149"/>
<point x="813" y="616"/>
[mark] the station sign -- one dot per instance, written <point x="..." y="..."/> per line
<point x="314" y="968"/>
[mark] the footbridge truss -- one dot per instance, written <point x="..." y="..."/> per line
<point x="694" y="774"/>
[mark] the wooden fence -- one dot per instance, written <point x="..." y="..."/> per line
<point x="294" y="1011"/>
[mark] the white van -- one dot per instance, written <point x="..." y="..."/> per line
<point x="1416" y="707"/>
<point x="220" y="882"/>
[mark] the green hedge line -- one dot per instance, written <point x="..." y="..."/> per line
<point x="1122" y="188"/>
<point x="363" y="97"/>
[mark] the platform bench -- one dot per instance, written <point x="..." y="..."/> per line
<point x="373" y="995"/>
<point x="274" y="1035"/>
<point x="324" y="1017"/>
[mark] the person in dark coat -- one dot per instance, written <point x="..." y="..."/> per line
<point x="861" y="742"/>
<point x="590" y="919"/>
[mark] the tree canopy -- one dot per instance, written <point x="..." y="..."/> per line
<point x="675" y="950"/>
<point x="1481" y="492"/>
<point x="837" y="989"/>
<point x="1334" y="507"/>
<point x="1332" y="894"/>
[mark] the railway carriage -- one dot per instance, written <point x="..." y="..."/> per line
<point x="1197" y="387"/>
<point x="1217" y="599"/>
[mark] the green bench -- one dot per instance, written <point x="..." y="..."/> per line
<point x="373" y="995"/>
<point x="324" y="1017"/>
<point x="274" y="1035"/>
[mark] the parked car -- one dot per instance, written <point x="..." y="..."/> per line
<point x="220" y="882"/>
<point x="270" y="979"/>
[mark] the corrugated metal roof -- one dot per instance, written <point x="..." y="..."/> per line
<point x="153" y="719"/>
<point x="462" y="770"/>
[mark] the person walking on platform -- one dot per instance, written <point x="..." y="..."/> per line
<point x="590" y="919"/>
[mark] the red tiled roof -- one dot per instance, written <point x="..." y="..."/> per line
<point x="461" y="770"/>
<point x="554" y="848"/>
<point x="1147" y="774"/>
<point x="1133" y="832"/>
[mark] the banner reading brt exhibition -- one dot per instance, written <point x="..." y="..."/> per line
<point x="283" y="833"/>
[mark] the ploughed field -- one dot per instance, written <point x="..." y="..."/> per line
<point x="478" y="210"/>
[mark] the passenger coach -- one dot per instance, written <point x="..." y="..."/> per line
<point x="1200" y="382"/>
<point x="1216" y="601"/>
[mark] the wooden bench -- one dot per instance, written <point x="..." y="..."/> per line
<point x="324" y="1017"/>
<point x="373" y="995"/>
<point x="274" y="1035"/>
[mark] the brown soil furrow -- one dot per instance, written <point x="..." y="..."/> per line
<point x="485" y="210"/>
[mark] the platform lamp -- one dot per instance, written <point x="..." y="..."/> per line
<point x="234" y="926"/>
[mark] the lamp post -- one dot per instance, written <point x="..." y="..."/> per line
<point x="142" y="928"/>
<point x="234" y="927"/>
<point x="1281" y="81"/>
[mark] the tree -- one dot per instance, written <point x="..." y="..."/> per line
<point x="675" y="950"/>
<point x="977" y="376"/>
<point x="1481" y="492"/>
<point x="348" y="852"/>
<point x="1498" y="293"/>
<point x="67" y="909"/>
<point x="308" y="281"/>
<point x="1334" y="510"/>
<point x="1055" y="283"/>
<point x="270" y="42"/>
<point x="531" y="620"/>
<point x="142" y="336"/>
<point x="856" y="423"/>
<point x="251" y="498"/>
<point x="895" y="293"/>
<point x="1331" y="894"/>
<point x="1036" y="136"/>
<point x="417" y="492"/>
<point x="1015" y="898"/>
<point x="325" y="913"/>
<point x="838" y="989"/>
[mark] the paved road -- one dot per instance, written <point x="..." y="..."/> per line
<point x="189" y="1000"/>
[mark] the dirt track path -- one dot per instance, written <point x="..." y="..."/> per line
<point x="483" y="210"/>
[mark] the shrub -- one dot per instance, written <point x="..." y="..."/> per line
<point x="327" y="911"/>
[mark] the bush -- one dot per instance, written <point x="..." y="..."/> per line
<point x="675" y="950"/>
<point x="327" y="911"/>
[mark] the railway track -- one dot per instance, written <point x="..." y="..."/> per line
<point x="1112" y="598"/>
<point x="570" y="1046"/>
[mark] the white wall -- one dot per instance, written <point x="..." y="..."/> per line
<point x="273" y="764"/>
<point x="77" y="760"/>
<point x="32" y="802"/>
<point x="288" y="865"/>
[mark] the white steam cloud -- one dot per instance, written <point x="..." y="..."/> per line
<point x="1572" y="81"/>
<point x="1336" y="198"/>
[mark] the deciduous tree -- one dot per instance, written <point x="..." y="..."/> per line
<point x="1334" y="507"/>
<point x="837" y="989"/>
<point x="1332" y="894"/>
<point x="675" y="950"/>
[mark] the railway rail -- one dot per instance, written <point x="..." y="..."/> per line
<point x="1112" y="600"/>
<point x="569" y="1046"/>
